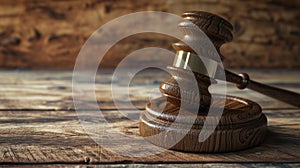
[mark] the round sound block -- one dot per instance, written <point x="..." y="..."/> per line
<point x="242" y="125"/>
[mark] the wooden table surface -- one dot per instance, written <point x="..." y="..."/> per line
<point x="39" y="125"/>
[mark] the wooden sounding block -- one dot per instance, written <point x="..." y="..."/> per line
<point x="242" y="124"/>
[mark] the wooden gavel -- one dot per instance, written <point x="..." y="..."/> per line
<point x="219" y="31"/>
<point x="179" y="121"/>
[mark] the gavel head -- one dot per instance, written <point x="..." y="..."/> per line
<point x="219" y="31"/>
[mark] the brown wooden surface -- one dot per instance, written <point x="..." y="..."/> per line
<point x="38" y="123"/>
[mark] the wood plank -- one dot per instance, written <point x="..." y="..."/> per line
<point x="176" y="165"/>
<point x="52" y="90"/>
<point x="58" y="137"/>
<point x="38" y="123"/>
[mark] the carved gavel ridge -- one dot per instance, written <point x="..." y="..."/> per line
<point x="219" y="31"/>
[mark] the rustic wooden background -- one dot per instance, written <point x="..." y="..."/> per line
<point x="49" y="34"/>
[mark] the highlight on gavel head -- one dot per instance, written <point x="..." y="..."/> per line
<point x="218" y="31"/>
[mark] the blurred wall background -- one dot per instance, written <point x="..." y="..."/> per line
<point x="49" y="34"/>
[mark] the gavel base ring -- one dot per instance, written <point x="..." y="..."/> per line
<point x="241" y="126"/>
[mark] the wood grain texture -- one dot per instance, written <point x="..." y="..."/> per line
<point x="141" y="165"/>
<point x="33" y="130"/>
<point x="30" y="137"/>
<point x="241" y="126"/>
<point x="49" y="34"/>
<point x="52" y="90"/>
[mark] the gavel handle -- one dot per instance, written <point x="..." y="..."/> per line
<point x="243" y="81"/>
